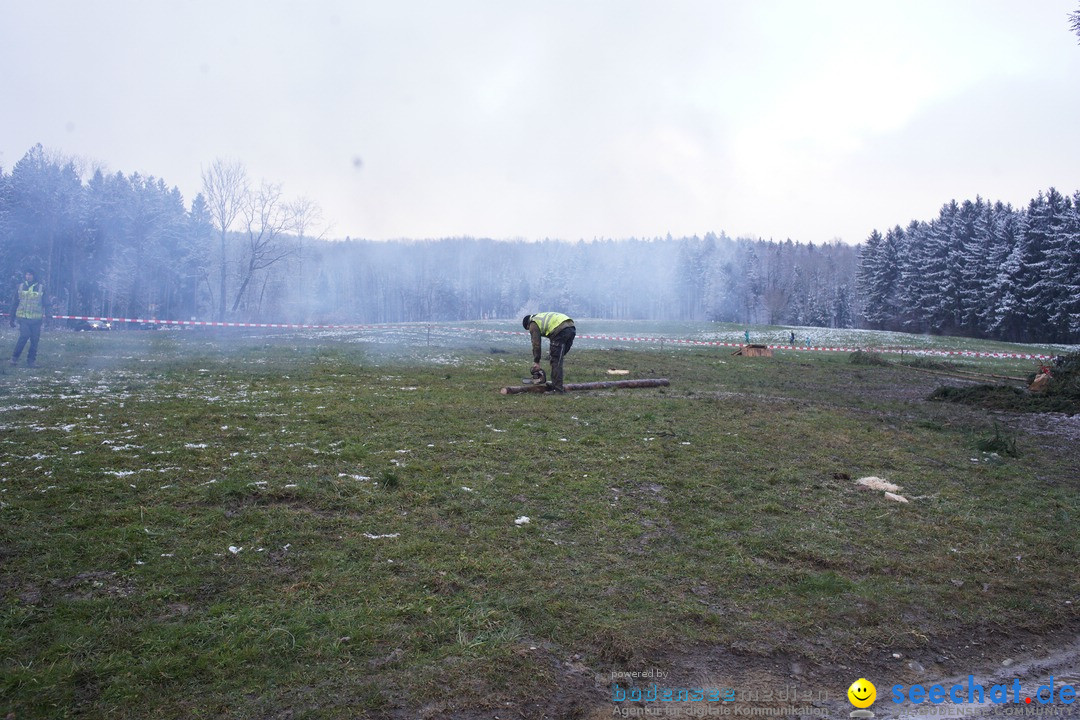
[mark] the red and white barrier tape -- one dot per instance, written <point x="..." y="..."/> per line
<point x="821" y="348"/>
<point x="618" y="338"/>
<point x="210" y="323"/>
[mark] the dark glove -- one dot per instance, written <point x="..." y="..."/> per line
<point x="12" y="322"/>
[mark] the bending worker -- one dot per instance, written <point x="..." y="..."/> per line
<point x="559" y="330"/>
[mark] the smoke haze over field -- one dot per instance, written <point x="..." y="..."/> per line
<point x="567" y="120"/>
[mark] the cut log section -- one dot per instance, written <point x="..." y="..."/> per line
<point x="606" y="385"/>
<point x="754" y="351"/>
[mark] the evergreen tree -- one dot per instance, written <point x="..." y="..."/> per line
<point x="1010" y="317"/>
<point x="1062" y="275"/>
<point x="1071" y="268"/>
<point x="999" y="223"/>
<point x="45" y="217"/>
<point x="967" y="264"/>
<point x="843" y="307"/>
<point x="695" y="257"/>
<point x="873" y="285"/>
<point x="7" y="244"/>
<point x="195" y="260"/>
<point x="942" y="291"/>
<point x="895" y="247"/>
<point x="1038" y="244"/>
<point x="916" y="283"/>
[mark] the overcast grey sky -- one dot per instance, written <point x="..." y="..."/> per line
<point x="809" y="120"/>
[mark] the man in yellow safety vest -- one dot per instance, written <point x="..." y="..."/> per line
<point x="559" y="330"/>
<point x="28" y="307"/>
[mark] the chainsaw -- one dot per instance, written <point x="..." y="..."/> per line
<point x="539" y="377"/>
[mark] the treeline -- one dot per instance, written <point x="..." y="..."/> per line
<point x="129" y="246"/>
<point x="979" y="269"/>
<point x="696" y="278"/>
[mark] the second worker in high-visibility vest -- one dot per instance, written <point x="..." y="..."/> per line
<point x="28" y="307"/>
<point x="559" y="330"/>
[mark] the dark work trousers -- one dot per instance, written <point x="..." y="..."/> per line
<point x="560" y="345"/>
<point x="28" y="330"/>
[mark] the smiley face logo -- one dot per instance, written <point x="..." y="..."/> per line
<point x="862" y="693"/>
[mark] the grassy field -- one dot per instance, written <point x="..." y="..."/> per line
<point x="198" y="524"/>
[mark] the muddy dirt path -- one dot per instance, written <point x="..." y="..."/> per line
<point x="794" y="688"/>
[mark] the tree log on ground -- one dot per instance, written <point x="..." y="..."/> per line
<point x="605" y="385"/>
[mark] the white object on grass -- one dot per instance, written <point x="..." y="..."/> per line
<point x="876" y="483"/>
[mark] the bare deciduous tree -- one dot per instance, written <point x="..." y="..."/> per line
<point x="306" y="215"/>
<point x="225" y="185"/>
<point x="267" y="219"/>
